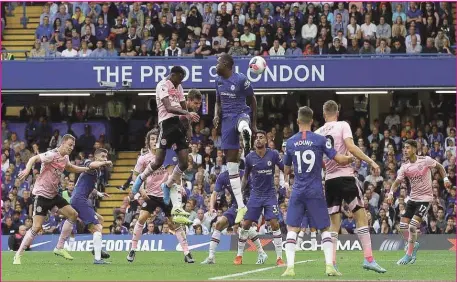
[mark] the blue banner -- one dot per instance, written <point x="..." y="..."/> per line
<point x="121" y="243"/>
<point x="282" y="73"/>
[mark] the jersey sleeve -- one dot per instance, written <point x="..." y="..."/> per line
<point x="278" y="160"/>
<point x="47" y="157"/>
<point x="162" y="91"/>
<point x="139" y="167"/>
<point x="327" y="148"/>
<point x="288" y="155"/>
<point x="401" y="174"/>
<point x="347" y="133"/>
<point x="181" y="94"/>
<point x="429" y="162"/>
<point x="220" y="183"/>
<point x="246" y="86"/>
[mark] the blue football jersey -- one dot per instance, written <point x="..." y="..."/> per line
<point x="233" y="92"/>
<point x="305" y="150"/>
<point x="262" y="173"/>
<point x="86" y="182"/>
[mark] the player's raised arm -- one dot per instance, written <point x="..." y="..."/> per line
<point x="24" y="173"/>
<point x="76" y="169"/>
<point x="434" y="164"/>
<point x="99" y="164"/>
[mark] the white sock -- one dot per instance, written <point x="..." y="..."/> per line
<point x="242" y="241"/>
<point x="215" y="239"/>
<point x="313" y="240"/>
<point x="97" y="245"/>
<point x="290" y="248"/>
<point x="277" y="240"/>
<point x="235" y="182"/>
<point x="327" y="247"/>
<point x="71" y="244"/>
<point x="243" y="125"/>
<point x="300" y="238"/>
<point x="253" y="236"/>
<point x="175" y="195"/>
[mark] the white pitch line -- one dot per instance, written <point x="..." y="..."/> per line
<point x="254" y="271"/>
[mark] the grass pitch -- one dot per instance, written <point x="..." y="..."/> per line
<point x="159" y="266"/>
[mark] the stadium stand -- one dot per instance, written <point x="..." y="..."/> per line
<point x="263" y="33"/>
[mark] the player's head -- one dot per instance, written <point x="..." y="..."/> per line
<point x="305" y="116"/>
<point x="151" y="139"/>
<point x="410" y="148"/>
<point x="224" y="64"/>
<point x="177" y="75"/>
<point x="101" y="154"/>
<point x="330" y="110"/>
<point x="260" y="139"/>
<point x="194" y="100"/>
<point x="68" y="143"/>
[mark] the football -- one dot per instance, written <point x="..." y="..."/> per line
<point x="257" y="65"/>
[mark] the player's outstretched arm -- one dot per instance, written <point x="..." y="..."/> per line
<point x="353" y="149"/>
<point x="212" y="203"/>
<point x="24" y="173"/>
<point x="98" y="164"/>
<point x="76" y="169"/>
<point x="343" y="160"/>
<point x="177" y="111"/>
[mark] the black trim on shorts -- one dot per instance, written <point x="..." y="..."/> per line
<point x="172" y="131"/>
<point x="154" y="202"/>
<point x="42" y="205"/>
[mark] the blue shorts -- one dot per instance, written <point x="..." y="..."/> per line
<point x="256" y="206"/>
<point x="306" y="221"/>
<point x="230" y="214"/>
<point x="230" y="135"/>
<point x="171" y="158"/>
<point x="314" y="208"/>
<point x="85" y="211"/>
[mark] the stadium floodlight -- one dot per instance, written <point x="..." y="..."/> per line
<point x="64" y="94"/>
<point x="445" y="92"/>
<point x="271" y="93"/>
<point x="361" y="92"/>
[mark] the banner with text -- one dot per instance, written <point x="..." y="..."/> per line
<point x="122" y="243"/>
<point x="282" y="73"/>
<point x="351" y="243"/>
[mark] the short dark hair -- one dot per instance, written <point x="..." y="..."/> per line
<point x="178" y="70"/>
<point x="261" y="132"/>
<point x="194" y="94"/>
<point x="411" y="142"/>
<point x="228" y="59"/>
<point x="305" y="114"/>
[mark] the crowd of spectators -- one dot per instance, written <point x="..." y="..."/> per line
<point x="382" y="141"/>
<point x="17" y="201"/>
<point x="82" y="29"/>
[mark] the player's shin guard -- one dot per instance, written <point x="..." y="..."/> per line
<point x="413" y="226"/>
<point x="327" y="247"/>
<point x="175" y="177"/>
<point x="300" y="239"/>
<point x="97" y="237"/>
<point x="215" y="239"/>
<point x="404" y="230"/>
<point x="277" y="240"/>
<point x="253" y="236"/>
<point x="27" y="241"/>
<point x="290" y="248"/>
<point x="181" y="235"/>
<point x="335" y="246"/>
<point x="364" y="236"/>
<point x="244" y="234"/>
<point x="66" y="231"/>
<point x="235" y="182"/>
<point x="137" y="231"/>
